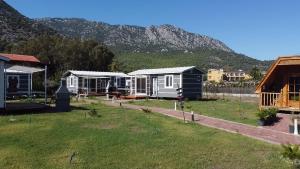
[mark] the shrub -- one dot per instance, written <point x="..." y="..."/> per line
<point x="292" y="153"/>
<point x="267" y="114"/>
<point x="189" y="107"/>
<point x="146" y="110"/>
<point x="94" y="113"/>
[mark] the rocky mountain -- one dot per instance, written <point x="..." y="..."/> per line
<point x="14" y="26"/>
<point x="135" y="47"/>
<point x="133" y="38"/>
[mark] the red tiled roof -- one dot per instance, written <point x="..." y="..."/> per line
<point x="20" y="58"/>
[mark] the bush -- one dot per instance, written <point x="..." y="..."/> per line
<point x="267" y="114"/>
<point x="292" y="153"/>
<point x="94" y="113"/>
<point x="146" y="110"/>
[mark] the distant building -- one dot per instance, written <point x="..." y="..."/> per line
<point x="218" y="75"/>
<point x="215" y="75"/>
<point x="236" y="76"/>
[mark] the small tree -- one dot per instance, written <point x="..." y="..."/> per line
<point x="256" y="74"/>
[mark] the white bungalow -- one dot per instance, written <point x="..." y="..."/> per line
<point x="95" y="83"/>
<point x="16" y="73"/>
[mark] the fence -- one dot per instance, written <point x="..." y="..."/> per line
<point x="229" y="89"/>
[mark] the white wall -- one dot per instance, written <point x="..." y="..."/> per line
<point x="2" y="100"/>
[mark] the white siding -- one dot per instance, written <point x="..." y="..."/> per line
<point x="2" y="99"/>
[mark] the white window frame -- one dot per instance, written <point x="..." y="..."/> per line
<point x="170" y="86"/>
<point x="72" y="79"/>
<point x="7" y="82"/>
<point x="128" y="83"/>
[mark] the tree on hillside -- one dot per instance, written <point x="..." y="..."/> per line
<point x="62" y="54"/>
<point x="256" y="74"/>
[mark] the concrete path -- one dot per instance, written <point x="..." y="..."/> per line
<point x="260" y="133"/>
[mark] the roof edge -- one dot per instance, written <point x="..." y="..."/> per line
<point x="271" y="69"/>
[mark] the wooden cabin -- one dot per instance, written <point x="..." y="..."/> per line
<point x="280" y="87"/>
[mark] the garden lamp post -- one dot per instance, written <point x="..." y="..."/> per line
<point x="295" y="126"/>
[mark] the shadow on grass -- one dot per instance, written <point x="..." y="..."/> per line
<point x="37" y="110"/>
<point x="208" y="100"/>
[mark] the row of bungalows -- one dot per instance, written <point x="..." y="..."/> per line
<point x="162" y="83"/>
<point x="16" y="78"/>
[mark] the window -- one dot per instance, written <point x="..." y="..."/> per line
<point x="85" y="83"/>
<point x="169" y="81"/>
<point x="118" y="81"/>
<point x="128" y="83"/>
<point x="71" y="81"/>
<point x="141" y="85"/>
<point x="294" y="88"/>
<point x="13" y="82"/>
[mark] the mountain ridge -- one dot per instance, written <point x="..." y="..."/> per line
<point x="135" y="47"/>
<point x="15" y="27"/>
<point x="136" y="38"/>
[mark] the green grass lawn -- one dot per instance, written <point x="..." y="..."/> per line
<point x="121" y="139"/>
<point x="243" y="112"/>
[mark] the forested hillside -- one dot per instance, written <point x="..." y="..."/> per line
<point x="203" y="59"/>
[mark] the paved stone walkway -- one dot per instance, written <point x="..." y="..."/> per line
<point x="260" y="133"/>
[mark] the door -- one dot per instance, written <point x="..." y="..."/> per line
<point x="92" y="85"/>
<point x="294" y="91"/>
<point x="154" y="86"/>
<point x="141" y="85"/>
<point x="85" y="85"/>
<point x="13" y="83"/>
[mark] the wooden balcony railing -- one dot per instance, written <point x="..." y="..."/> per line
<point x="268" y="99"/>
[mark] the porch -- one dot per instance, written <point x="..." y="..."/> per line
<point x="100" y="86"/>
<point x="286" y="103"/>
<point x="143" y="86"/>
<point x="25" y="88"/>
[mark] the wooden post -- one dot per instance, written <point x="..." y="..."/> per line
<point x="45" y="81"/>
<point x="28" y="83"/>
<point x="299" y="99"/>
<point x="96" y="86"/>
<point x="260" y="100"/>
<point x="281" y="95"/>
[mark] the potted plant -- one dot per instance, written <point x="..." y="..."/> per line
<point x="267" y="116"/>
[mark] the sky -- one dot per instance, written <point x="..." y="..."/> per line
<point x="262" y="29"/>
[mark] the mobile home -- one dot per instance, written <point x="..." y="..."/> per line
<point x="164" y="82"/>
<point x="16" y="72"/>
<point x="95" y="83"/>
